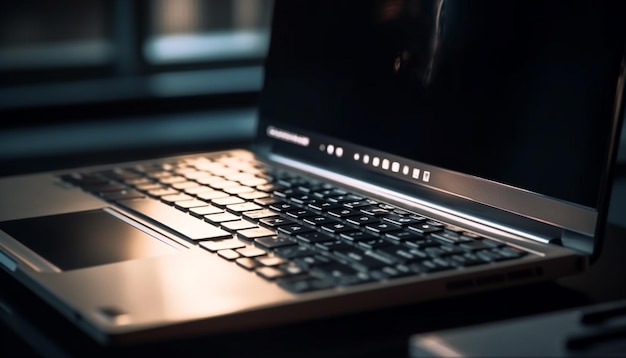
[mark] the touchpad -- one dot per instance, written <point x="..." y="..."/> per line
<point x="90" y="238"/>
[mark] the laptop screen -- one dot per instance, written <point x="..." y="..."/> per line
<point x="508" y="103"/>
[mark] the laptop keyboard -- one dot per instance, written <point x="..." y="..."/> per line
<point x="303" y="234"/>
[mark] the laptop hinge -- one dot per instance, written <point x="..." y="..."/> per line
<point x="577" y="241"/>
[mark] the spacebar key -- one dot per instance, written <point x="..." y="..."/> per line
<point x="186" y="225"/>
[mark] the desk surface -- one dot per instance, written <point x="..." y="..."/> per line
<point x="34" y="326"/>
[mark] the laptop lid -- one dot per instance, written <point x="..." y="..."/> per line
<point x="506" y="113"/>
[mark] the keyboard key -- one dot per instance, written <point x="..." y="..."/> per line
<point x="306" y="283"/>
<point x="251" y="251"/>
<point x="402" y="220"/>
<point x="188" y="204"/>
<point x="489" y="256"/>
<point x="356" y="204"/>
<point x="401" y="254"/>
<point x="492" y="243"/>
<point x="320" y="220"/>
<point x="314" y="237"/>
<point x="236" y="190"/>
<point x="390" y="272"/>
<point x="291" y="269"/>
<point x="334" y="245"/>
<point x="105" y="188"/>
<point x="238" y="225"/>
<point x="259" y="214"/>
<point x="212" y="195"/>
<point x="122" y="195"/>
<point x="269" y="273"/>
<point x="337" y="228"/>
<point x="428" y="266"/>
<point x="84" y="179"/>
<point x="174" y="179"/>
<point x="356" y="236"/>
<point x="300" y="213"/>
<point x="225" y="201"/>
<point x="323" y="206"/>
<point x="450" y="238"/>
<point x="273" y="242"/>
<point x="339" y="199"/>
<point x="171" y="199"/>
<point x="360" y="260"/>
<point x="343" y="212"/>
<point x="228" y="254"/>
<point x="434" y="251"/>
<point x="253" y="195"/>
<point x="175" y="220"/>
<point x="292" y="252"/>
<point x="382" y="227"/>
<point x="373" y="244"/>
<point x="275" y="222"/>
<point x="205" y="210"/>
<point x="302" y="199"/>
<point x="270" y="187"/>
<point x="270" y="261"/>
<point x="475" y="245"/>
<point x="327" y="192"/>
<point x="341" y="274"/>
<point x="425" y="228"/>
<point x="222" y="184"/>
<point x="335" y="270"/>
<point x="281" y="206"/>
<point x="309" y="262"/>
<point x="511" y="252"/>
<point x="465" y="260"/>
<point x="149" y="186"/>
<point x="421" y="243"/>
<point x="252" y="234"/>
<point x="252" y="182"/>
<point x="362" y="220"/>
<point x="404" y="235"/>
<point x="374" y="211"/>
<point x="247" y="263"/>
<point x="293" y="229"/>
<point x="163" y="192"/>
<point x="243" y="207"/>
<point x="451" y="250"/>
<point x="217" y="245"/>
<point x="220" y="218"/>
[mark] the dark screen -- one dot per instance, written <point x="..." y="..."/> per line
<point x="519" y="92"/>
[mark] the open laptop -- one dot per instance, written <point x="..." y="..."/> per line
<point x="406" y="151"/>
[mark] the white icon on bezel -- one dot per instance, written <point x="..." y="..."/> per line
<point x="426" y="176"/>
<point x="385" y="164"/>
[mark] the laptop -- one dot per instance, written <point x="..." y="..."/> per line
<point x="406" y="151"/>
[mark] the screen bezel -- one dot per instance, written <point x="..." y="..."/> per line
<point x="552" y="217"/>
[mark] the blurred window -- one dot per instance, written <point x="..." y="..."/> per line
<point x="75" y="41"/>
<point x="182" y="31"/>
<point x="51" y="34"/>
